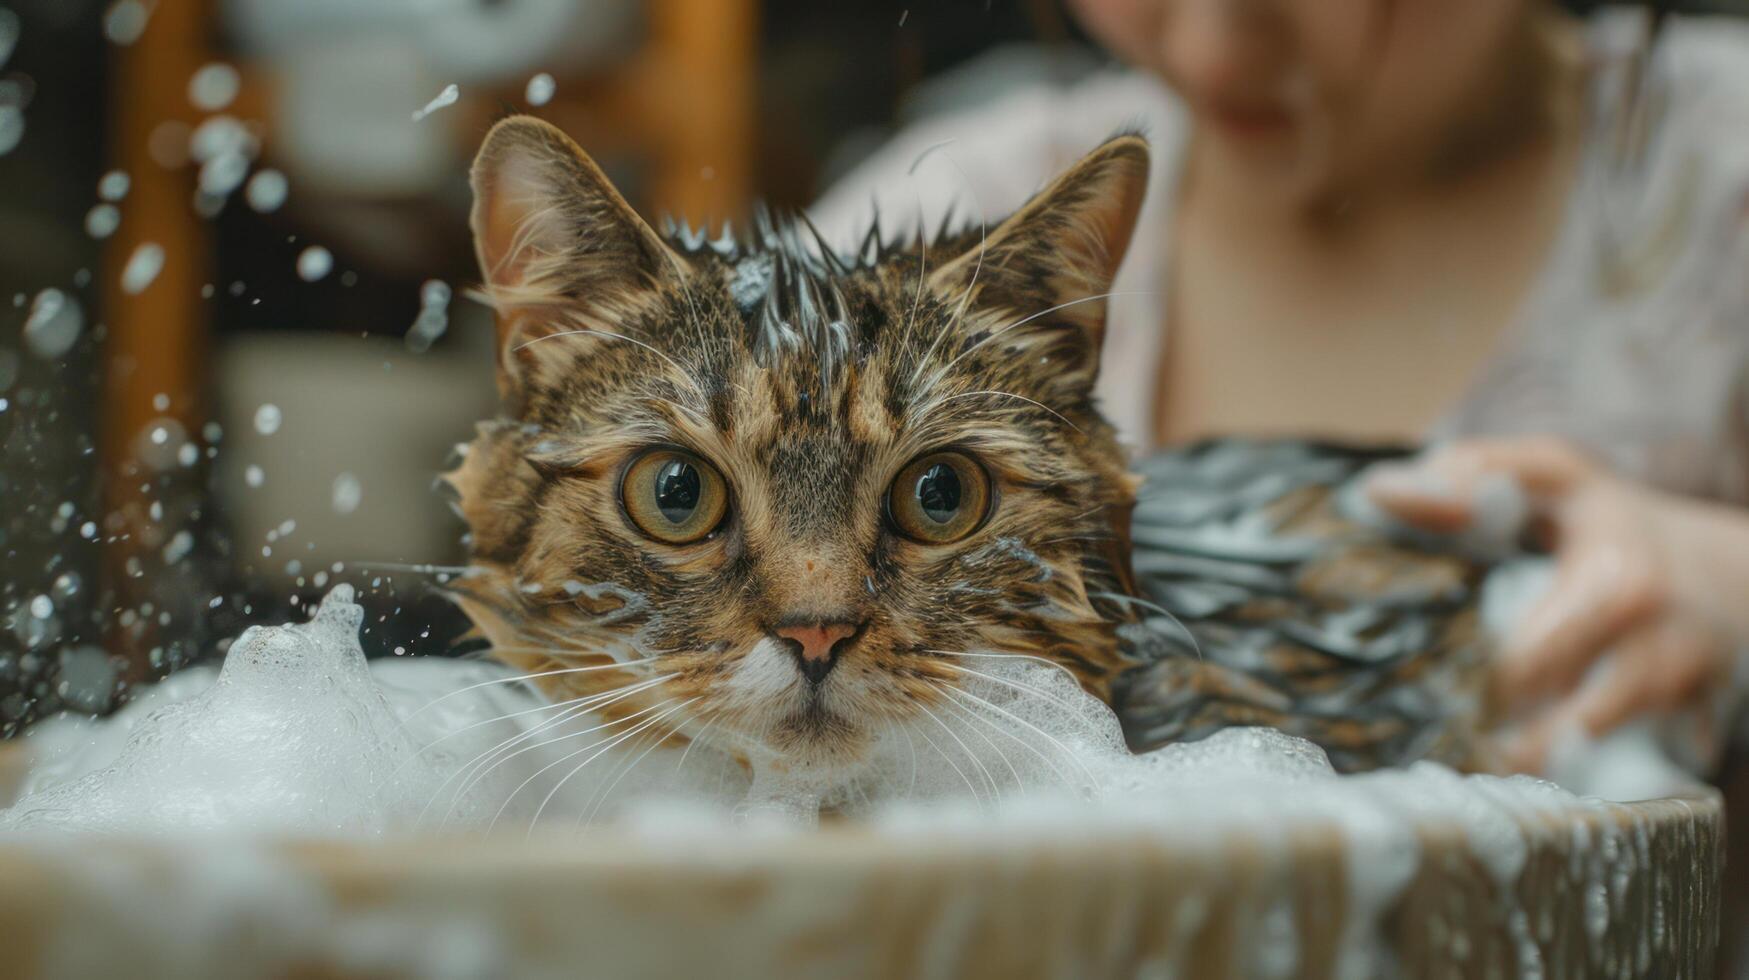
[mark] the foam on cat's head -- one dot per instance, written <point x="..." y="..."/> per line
<point x="798" y="385"/>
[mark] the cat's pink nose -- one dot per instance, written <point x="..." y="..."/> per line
<point x="815" y="645"/>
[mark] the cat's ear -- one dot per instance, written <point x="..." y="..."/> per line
<point x="554" y="237"/>
<point x="1054" y="260"/>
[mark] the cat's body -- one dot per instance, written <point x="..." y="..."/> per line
<point x="764" y="489"/>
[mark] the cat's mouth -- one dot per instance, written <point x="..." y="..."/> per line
<point x="814" y="727"/>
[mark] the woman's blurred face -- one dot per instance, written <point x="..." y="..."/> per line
<point x="1311" y="94"/>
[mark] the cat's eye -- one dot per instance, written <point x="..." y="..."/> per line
<point x="939" y="497"/>
<point x="673" y="496"/>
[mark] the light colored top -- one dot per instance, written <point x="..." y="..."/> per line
<point x="1633" y="339"/>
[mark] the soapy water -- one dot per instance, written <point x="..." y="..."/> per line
<point x="298" y="735"/>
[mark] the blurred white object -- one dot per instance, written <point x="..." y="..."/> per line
<point x="352" y="72"/>
<point x="363" y="415"/>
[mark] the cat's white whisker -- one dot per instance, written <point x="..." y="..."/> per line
<point x="977" y="270"/>
<point x="531" y="777"/>
<point x="684" y="374"/>
<point x="1019" y="784"/>
<point x="994" y="789"/>
<point x="1047" y="736"/>
<point x="1023" y="743"/>
<point x="607" y="793"/>
<point x="520" y="677"/>
<point x="1009" y="394"/>
<point x="999" y="331"/>
<point x="695" y="740"/>
<point x="1121" y="598"/>
<point x="1044" y="696"/>
<point x="956" y="769"/>
<point x="478" y="768"/>
<point x="1052" y="664"/>
<point x="446" y="736"/>
<point x="912" y="790"/>
<point x="583" y="706"/>
<point x="535" y="820"/>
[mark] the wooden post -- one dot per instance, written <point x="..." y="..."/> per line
<point x="703" y="62"/>
<point x="156" y="339"/>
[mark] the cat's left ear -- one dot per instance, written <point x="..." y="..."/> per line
<point x="1054" y="259"/>
<point x="551" y="231"/>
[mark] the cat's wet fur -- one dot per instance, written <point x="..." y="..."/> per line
<point x="808" y="380"/>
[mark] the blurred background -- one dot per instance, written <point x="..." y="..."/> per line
<point x="235" y="340"/>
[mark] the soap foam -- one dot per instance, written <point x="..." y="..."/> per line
<point x="297" y="734"/>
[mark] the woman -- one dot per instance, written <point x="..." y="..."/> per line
<point x="1520" y="235"/>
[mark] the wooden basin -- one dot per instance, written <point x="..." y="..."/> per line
<point x="1624" y="890"/>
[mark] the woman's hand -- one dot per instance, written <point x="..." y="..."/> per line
<point x="1660" y="583"/>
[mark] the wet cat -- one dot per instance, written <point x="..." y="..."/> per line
<point x="779" y="491"/>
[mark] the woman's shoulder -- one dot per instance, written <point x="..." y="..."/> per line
<point x="1699" y="94"/>
<point x="987" y="159"/>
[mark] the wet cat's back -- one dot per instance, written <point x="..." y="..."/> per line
<point x="1293" y="612"/>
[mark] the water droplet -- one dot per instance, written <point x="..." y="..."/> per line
<point x="213" y="86"/>
<point x="178" y="548"/>
<point x="113" y="186"/>
<point x="8" y="34"/>
<point x="220" y="136"/>
<point x="314" y="263"/>
<point x="67" y="585"/>
<point x="347" y="493"/>
<point x="540" y="89"/>
<point x="88" y="530"/>
<point x="53" y="324"/>
<point x="267" y="419"/>
<point x="42" y="607"/>
<point x="11" y="127"/>
<point x="433" y="317"/>
<point x="220" y="176"/>
<point x="446" y="97"/>
<point x="125" y="21"/>
<point x="266" y="190"/>
<point x="160" y="443"/>
<point x="253" y="475"/>
<point x="143" y="267"/>
<point x="102" y="220"/>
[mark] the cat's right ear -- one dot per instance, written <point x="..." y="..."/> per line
<point x="559" y="248"/>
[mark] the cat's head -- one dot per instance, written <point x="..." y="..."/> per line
<point x="797" y="486"/>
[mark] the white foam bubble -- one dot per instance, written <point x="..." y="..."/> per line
<point x="292" y="735"/>
<point x="296" y="734"/>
